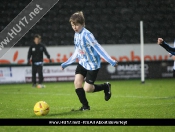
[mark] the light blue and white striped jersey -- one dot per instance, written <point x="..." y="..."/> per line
<point x="88" y="51"/>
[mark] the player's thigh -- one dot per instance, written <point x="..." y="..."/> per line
<point x="91" y="76"/>
<point x="89" y="88"/>
<point x="34" y="69"/>
<point x="80" y="74"/>
<point x="78" y="82"/>
<point x="90" y="79"/>
<point x="40" y="69"/>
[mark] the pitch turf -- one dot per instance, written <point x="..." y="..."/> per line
<point x="130" y="99"/>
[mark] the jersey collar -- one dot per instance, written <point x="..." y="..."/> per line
<point x="81" y="30"/>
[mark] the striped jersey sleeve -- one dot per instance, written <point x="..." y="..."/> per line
<point x="70" y="60"/>
<point x="99" y="49"/>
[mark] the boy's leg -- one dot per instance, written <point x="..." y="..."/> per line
<point x="107" y="89"/>
<point x="78" y="82"/>
<point x="34" y="70"/>
<point x="40" y="73"/>
<point x="91" y="87"/>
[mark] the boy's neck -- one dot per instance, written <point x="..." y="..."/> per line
<point x="81" y="29"/>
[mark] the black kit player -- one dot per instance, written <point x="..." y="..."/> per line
<point x="170" y="49"/>
<point x="166" y="46"/>
<point x="36" y="51"/>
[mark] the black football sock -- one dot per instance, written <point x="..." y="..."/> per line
<point x="82" y="96"/>
<point x="99" y="87"/>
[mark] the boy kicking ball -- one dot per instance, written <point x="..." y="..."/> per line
<point x="88" y="51"/>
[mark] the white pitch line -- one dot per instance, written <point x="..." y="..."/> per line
<point x="113" y="96"/>
<point x="148" y="104"/>
<point x="34" y="93"/>
<point x="149" y="97"/>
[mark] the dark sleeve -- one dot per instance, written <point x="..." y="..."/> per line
<point x="45" y="52"/>
<point x="29" y="53"/>
<point x="168" y="48"/>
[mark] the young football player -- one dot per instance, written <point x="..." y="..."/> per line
<point x="88" y="51"/>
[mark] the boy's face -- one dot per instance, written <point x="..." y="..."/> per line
<point x="37" y="40"/>
<point x="76" y="27"/>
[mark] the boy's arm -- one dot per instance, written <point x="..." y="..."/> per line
<point x="162" y="43"/>
<point x="46" y="53"/>
<point x="100" y="50"/>
<point x="70" y="60"/>
<point x="172" y="56"/>
<point x="170" y="49"/>
<point x="29" y="55"/>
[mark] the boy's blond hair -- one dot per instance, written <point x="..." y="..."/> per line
<point x="77" y="17"/>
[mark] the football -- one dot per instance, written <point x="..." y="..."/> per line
<point x="41" y="108"/>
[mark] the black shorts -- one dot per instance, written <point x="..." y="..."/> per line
<point x="90" y="75"/>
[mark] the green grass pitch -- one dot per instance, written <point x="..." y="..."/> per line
<point x="130" y="99"/>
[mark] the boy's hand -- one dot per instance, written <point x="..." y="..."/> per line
<point x="50" y="60"/>
<point x="173" y="57"/>
<point x="170" y="55"/>
<point x="28" y="62"/>
<point x="116" y="64"/>
<point x="62" y="68"/>
<point x="159" y="41"/>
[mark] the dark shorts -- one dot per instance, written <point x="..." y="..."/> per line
<point x="90" y="75"/>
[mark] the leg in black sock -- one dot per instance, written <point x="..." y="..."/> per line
<point x="107" y="89"/>
<point x="82" y="96"/>
<point x="99" y="87"/>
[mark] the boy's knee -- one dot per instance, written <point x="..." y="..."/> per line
<point x="89" y="88"/>
<point x="77" y="84"/>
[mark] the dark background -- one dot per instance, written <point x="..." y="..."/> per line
<point x="111" y="21"/>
